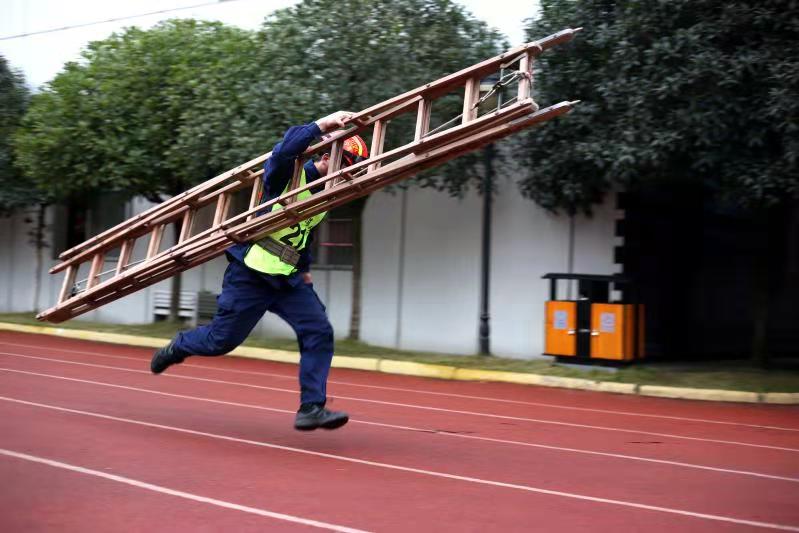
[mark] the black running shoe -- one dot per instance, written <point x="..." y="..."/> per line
<point x="164" y="358"/>
<point x="319" y="417"/>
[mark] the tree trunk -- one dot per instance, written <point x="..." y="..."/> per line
<point x="357" y="257"/>
<point x="792" y="244"/>
<point x="760" y="295"/>
<point x="760" y="312"/>
<point x="38" y="239"/>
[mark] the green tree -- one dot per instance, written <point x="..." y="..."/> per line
<point x="678" y="88"/>
<point x="672" y="90"/>
<point x="145" y="113"/>
<point x="15" y="192"/>
<point x="324" y="55"/>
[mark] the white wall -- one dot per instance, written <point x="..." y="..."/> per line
<point x="433" y="288"/>
<point x="429" y="299"/>
<point x="421" y="272"/>
<point x="17" y="268"/>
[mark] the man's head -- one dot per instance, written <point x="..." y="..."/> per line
<point x="355" y="151"/>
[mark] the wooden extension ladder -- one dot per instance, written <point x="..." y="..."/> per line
<point x="195" y="246"/>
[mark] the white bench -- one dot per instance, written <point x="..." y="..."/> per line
<point x="196" y="307"/>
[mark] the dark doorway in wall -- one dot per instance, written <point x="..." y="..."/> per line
<point x="713" y="276"/>
<point x="84" y="216"/>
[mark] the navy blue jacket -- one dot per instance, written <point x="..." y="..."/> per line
<point x="277" y="174"/>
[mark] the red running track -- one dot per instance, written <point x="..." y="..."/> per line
<point x="90" y="440"/>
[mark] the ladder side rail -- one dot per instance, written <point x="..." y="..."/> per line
<point x="163" y="219"/>
<point x="338" y="197"/>
<point x="477" y="70"/>
<point x="268" y="223"/>
<point x="507" y="113"/>
<point x="217" y="245"/>
<point x="252" y="229"/>
<point x="204" y="195"/>
<point x="442" y="136"/>
<point x="234" y="186"/>
<point x="202" y="201"/>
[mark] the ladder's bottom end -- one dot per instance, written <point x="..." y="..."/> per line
<point x="51" y="317"/>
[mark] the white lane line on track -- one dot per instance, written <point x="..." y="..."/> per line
<point x="438" y="474"/>
<point x="432" y="393"/>
<point x="420" y="407"/>
<point x="179" y="493"/>
<point x="409" y="428"/>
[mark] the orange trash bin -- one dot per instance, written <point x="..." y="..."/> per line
<point x="591" y="327"/>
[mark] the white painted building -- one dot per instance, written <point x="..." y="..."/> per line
<point x="426" y="298"/>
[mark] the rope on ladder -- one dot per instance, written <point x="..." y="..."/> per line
<point x="505" y="80"/>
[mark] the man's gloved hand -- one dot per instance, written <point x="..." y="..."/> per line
<point x="334" y="121"/>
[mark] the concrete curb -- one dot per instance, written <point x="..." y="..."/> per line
<point x="410" y="368"/>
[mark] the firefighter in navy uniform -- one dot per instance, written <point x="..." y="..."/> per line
<point x="273" y="275"/>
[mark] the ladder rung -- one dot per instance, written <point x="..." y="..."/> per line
<point x="423" y="119"/>
<point x="295" y="181"/>
<point x="222" y="207"/>
<point x="526" y="68"/>
<point x="378" y="140"/>
<point x="94" y="272"/>
<point x="155" y="241"/>
<point x="470" y="98"/>
<point x="125" y="254"/>
<point x="68" y="283"/>
<point x="187" y="224"/>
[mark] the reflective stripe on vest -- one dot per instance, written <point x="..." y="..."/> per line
<point x="296" y="236"/>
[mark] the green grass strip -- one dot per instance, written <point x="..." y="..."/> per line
<point x="739" y="375"/>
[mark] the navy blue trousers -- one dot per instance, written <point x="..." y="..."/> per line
<point x="246" y="296"/>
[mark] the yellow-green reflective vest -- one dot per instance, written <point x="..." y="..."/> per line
<point x="296" y="236"/>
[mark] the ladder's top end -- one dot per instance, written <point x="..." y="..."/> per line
<point x="568" y="33"/>
<point x="574" y="102"/>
